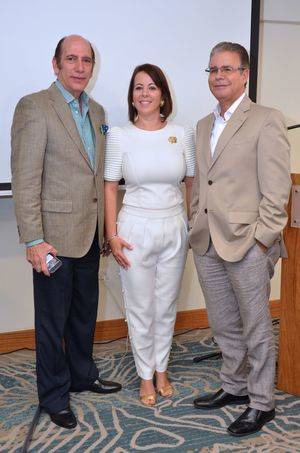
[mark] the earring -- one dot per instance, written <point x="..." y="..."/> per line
<point x="162" y="103"/>
<point x="132" y="104"/>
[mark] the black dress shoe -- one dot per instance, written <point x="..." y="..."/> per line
<point x="251" y="421"/>
<point x="219" y="399"/>
<point x="101" y="386"/>
<point x="64" y="418"/>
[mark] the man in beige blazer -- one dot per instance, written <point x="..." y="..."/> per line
<point x="57" y="182"/>
<point x="241" y="187"/>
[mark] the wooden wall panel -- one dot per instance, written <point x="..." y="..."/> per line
<point x="289" y="337"/>
<point x="116" y="328"/>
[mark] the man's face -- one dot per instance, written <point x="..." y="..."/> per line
<point x="225" y="86"/>
<point x="75" y="67"/>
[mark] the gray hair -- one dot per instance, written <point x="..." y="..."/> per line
<point x="226" y="46"/>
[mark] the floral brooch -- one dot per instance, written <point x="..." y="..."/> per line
<point x="172" y="139"/>
<point x="103" y="129"/>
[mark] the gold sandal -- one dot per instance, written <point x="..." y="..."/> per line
<point x="166" y="391"/>
<point x="149" y="399"/>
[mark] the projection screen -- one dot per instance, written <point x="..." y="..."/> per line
<point x="177" y="35"/>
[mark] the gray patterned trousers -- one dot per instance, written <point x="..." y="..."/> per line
<point x="236" y="296"/>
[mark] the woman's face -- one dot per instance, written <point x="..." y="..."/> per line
<point x="146" y="95"/>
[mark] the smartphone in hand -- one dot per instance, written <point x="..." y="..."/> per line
<point x="53" y="263"/>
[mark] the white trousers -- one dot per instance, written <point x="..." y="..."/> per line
<point x="151" y="285"/>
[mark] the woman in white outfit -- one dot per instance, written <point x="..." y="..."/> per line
<point x="149" y="239"/>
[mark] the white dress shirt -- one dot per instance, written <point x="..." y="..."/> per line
<point x="220" y="122"/>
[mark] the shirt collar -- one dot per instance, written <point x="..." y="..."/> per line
<point x="69" y="97"/>
<point x="230" y="111"/>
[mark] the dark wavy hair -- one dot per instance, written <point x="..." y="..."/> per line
<point x="160" y="81"/>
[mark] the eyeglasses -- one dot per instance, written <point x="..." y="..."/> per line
<point x="224" y="70"/>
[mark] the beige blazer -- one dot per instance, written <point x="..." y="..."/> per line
<point x="240" y="194"/>
<point x="57" y="194"/>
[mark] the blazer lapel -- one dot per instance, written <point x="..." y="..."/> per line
<point x="65" y="115"/>
<point x="234" y="124"/>
<point x="206" y="139"/>
<point x="99" y="138"/>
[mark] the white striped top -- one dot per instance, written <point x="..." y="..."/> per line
<point x="153" y="163"/>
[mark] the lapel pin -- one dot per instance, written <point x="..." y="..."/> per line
<point x="172" y="139"/>
<point x="103" y="129"/>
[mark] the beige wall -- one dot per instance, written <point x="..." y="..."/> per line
<point x="278" y="87"/>
<point x="279" y="65"/>
<point x="279" y="68"/>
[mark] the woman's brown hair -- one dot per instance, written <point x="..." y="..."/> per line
<point x="160" y="81"/>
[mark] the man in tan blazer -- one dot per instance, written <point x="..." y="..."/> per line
<point x="241" y="187"/>
<point x="57" y="182"/>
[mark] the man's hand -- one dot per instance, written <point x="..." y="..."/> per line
<point x="36" y="255"/>
<point x="262" y="246"/>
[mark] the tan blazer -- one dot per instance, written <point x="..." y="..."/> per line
<point x="57" y="194"/>
<point x="240" y="194"/>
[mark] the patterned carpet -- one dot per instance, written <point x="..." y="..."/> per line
<point x="119" y="424"/>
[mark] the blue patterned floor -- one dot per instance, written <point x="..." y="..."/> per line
<point x="118" y="423"/>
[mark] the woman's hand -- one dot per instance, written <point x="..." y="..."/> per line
<point x="188" y="180"/>
<point x="117" y="244"/>
<point x="105" y="249"/>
